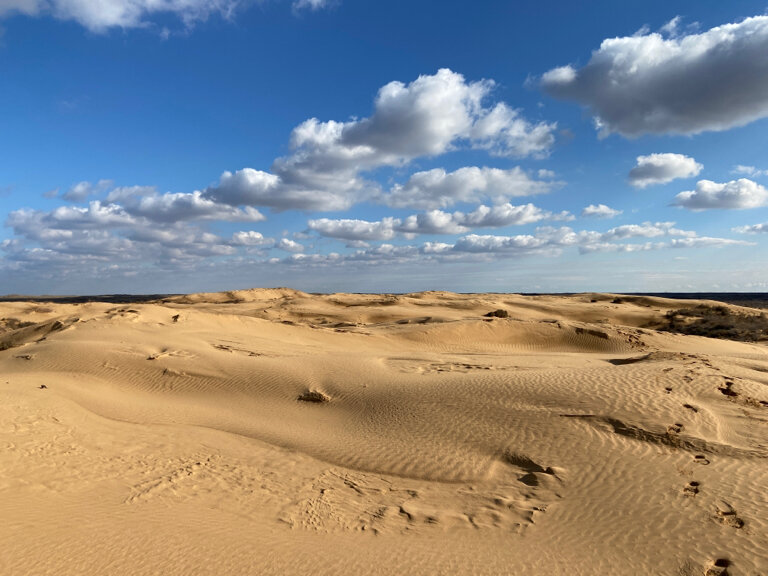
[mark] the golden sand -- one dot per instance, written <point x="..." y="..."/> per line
<point x="276" y="432"/>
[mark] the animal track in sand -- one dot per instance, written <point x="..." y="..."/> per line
<point x="345" y="500"/>
<point x="670" y="438"/>
<point x="172" y="353"/>
<point x="453" y="367"/>
<point x="243" y="486"/>
<point x="228" y="348"/>
<point x="424" y="366"/>
<point x="167" y="482"/>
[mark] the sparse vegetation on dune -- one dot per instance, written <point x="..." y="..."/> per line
<point x="716" y="322"/>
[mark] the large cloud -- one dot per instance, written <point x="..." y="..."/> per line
<point x="104" y="14"/>
<point x="738" y="194"/>
<point x="662" y="168"/>
<point x="426" y="118"/>
<point x="652" y="84"/>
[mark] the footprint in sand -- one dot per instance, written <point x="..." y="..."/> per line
<point x="719" y="567"/>
<point x="691" y="408"/>
<point x="700" y="459"/>
<point x="676" y="428"/>
<point x="692" y="488"/>
<point x="727" y="390"/>
<point x="726" y="515"/>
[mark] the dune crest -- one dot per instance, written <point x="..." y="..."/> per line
<point x="271" y="431"/>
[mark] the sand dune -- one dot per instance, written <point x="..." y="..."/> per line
<point x="278" y="432"/>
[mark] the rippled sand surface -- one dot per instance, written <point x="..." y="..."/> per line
<point x="277" y="432"/>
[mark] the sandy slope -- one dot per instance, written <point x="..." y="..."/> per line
<point x="565" y="439"/>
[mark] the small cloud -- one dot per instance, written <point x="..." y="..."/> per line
<point x="251" y="238"/>
<point x="600" y="211"/>
<point x="671" y="28"/>
<point x="311" y="5"/>
<point x="289" y="245"/>
<point x="750" y="171"/>
<point x="354" y="230"/>
<point x="82" y="190"/>
<point x="662" y="169"/>
<point x="753" y="229"/>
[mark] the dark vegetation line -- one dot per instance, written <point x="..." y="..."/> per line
<point x="108" y="298"/>
<point x="750" y="299"/>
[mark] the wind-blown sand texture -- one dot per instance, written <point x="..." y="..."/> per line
<point x="277" y="432"/>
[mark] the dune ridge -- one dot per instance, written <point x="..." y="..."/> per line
<point x="271" y="431"/>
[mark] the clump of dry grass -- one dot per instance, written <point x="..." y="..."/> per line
<point x="500" y="313"/>
<point x="314" y="396"/>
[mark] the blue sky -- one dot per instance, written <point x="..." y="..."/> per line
<point x="189" y="145"/>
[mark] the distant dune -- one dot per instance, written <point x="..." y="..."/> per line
<point x="277" y="432"/>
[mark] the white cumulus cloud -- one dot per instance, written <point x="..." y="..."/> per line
<point x="428" y="117"/>
<point x="750" y="171"/>
<point x="738" y="194"/>
<point x="174" y="207"/>
<point x="349" y="229"/>
<point x="251" y="238"/>
<point x="752" y="229"/>
<point x="289" y="245"/>
<point x="600" y="211"/>
<point x="101" y="15"/>
<point x="434" y="222"/>
<point x="656" y="83"/>
<point x="437" y="188"/>
<point x="662" y="168"/>
<point x="312" y="5"/>
<point x="82" y="190"/>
